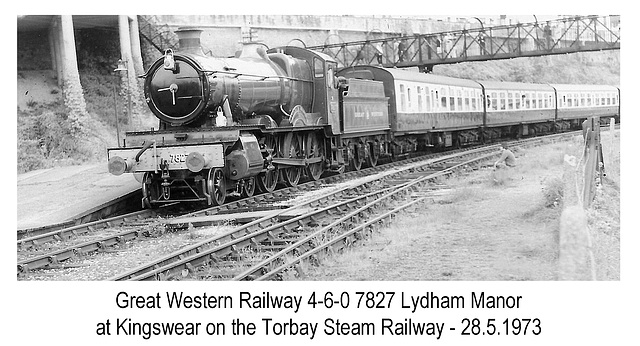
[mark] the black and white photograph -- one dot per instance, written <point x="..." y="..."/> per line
<point x="443" y="170"/>
<point x="273" y="148"/>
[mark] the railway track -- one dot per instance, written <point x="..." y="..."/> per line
<point x="238" y="249"/>
<point x="265" y="217"/>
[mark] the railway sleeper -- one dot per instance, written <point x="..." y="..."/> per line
<point x="268" y="242"/>
<point x="223" y="275"/>
<point x="273" y="248"/>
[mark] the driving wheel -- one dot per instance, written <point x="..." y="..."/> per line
<point x="268" y="180"/>
<point x="314" y="150"/>
<point x="291" y="148"/>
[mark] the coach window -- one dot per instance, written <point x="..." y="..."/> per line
<point x="602" y="99"/>
<point x="588" y="99"/>
<point x="409" y="99"/>
<point x="582" y="103"/>
<point x="509" y="101"/>
<point x="467" y="102"/>
<point x="534" y="100"/>
<point x="616" y="99"/>
<point x="539" y="95"/>
<point x="518" y="100"/>
<point x="427" y="100"/>
<point x="474" y="105"/>
<point x="551" y="100"/>
<point x="403" y="100"/>
<point x="443" y="98"/>
<point x="459" y="100"/>
<point x="419" y="92"/>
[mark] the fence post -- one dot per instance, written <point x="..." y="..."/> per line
<point x="593" y="160"/>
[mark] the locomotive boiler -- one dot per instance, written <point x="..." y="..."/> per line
<point x="191" y="89"/>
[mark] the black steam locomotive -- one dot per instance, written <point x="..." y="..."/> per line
<point x="283" y="114"/>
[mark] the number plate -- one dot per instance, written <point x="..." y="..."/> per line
<point x="177" y="158"/>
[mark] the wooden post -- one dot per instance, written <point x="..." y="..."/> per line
<point x="592" y="161"/>
<point x="612" y="124"/>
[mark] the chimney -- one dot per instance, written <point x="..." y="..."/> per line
<point x="189" y="40"/>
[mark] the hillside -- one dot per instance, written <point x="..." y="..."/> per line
<point x="580" y="68"/>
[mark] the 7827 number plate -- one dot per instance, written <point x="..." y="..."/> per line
<point x="177" y="158"/>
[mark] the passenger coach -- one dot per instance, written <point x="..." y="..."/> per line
<point x="576" y="102"/>
<point x="427" y="110"/>
<point x="518" y="109"/>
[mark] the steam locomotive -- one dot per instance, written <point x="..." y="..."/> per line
<point x="281" y="115"/>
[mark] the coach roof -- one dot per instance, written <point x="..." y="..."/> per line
<point x="583" y="87"/>
<point x="495" y="85"/>
<point x="412" y="76"/>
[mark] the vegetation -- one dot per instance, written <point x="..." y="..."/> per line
<point x="46" y="138"/>
<point x="479" y="229"/>
<point x="45" y="135"/>
<point x="579" y="68"/>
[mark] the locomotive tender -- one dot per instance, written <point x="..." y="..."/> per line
<point x="278" y="115"/>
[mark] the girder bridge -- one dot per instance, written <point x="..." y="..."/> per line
<point x="561" y="36"/>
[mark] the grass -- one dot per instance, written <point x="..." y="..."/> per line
<point x="487" y="230"/>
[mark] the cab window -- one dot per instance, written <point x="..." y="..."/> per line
<point x="318" y="68"/>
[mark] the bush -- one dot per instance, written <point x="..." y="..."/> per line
<point x="553" y="191"/>
<point x="45" y="137"/>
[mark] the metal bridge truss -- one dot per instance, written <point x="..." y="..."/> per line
<point x="160" y="36"/>
<point x="567" y="35"/>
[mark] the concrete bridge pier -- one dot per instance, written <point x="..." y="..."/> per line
<point x="63" y="54"/>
